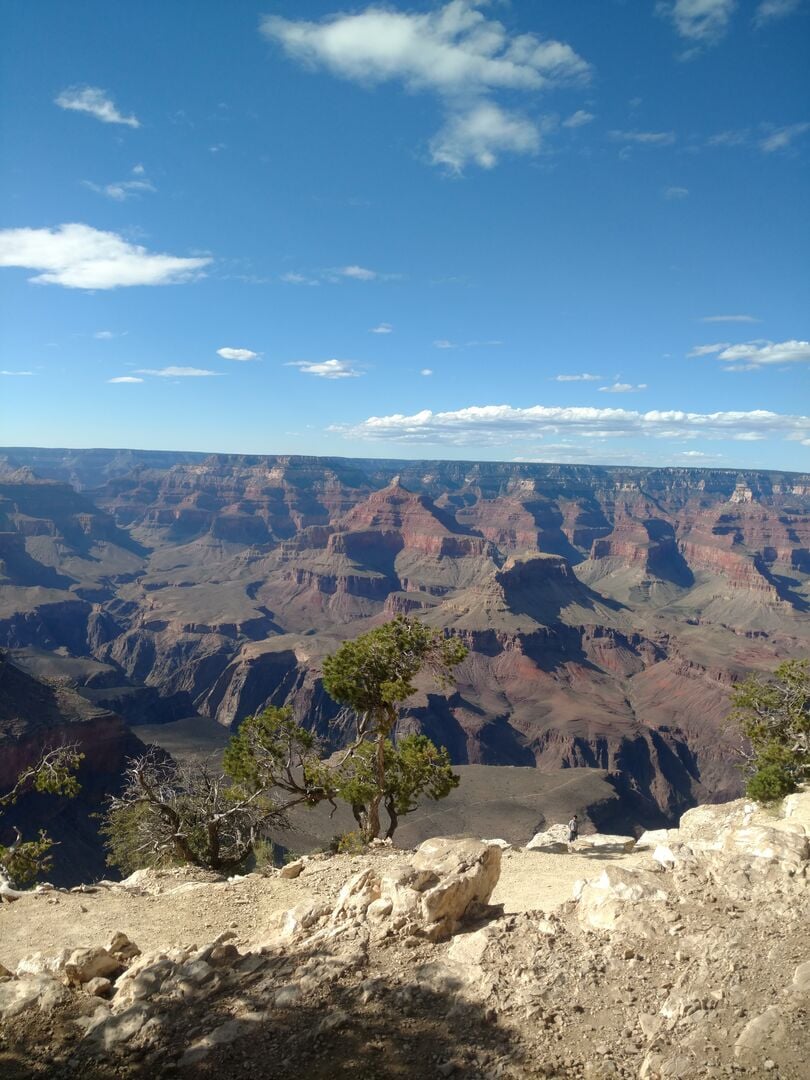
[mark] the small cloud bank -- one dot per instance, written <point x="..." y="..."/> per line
<point x="382" y="328"/>
<point x="327" y="369"/>
<point x="584" y="377"/>
<point x="622" y="388"/>
<point x="177" y="372"/>
<point x="729" y="318"/>
<point x="578" y="119"/>
<point x="228" y="353"/>
<point x="703" y="22"/>
<point x="498" y="425"/>
<point x="772" y="10"/>
<point x="125" y="379"/>
<point x="13" y="374"/>
<point x="80" y="257"/>
<point x="754" y="354"/>
<point x="94" y="102"/>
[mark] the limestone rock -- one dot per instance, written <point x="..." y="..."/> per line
<point x="553" y="840"/>
<point x="603" y="900"/>
<point x="41" y="990"/>
<point x="39" y="964"/>
<point x="292" y="869"/>
<point x="467" y="872"/>
<point x="94" y="963"/>
<point x="606" y="843"/>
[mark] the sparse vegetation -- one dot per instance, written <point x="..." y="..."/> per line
<point x="774" y="717"/>
<point x="372" y="676"/>
<point x="53" y="773"/>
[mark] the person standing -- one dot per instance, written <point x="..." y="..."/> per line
<point x="573" y="829"/>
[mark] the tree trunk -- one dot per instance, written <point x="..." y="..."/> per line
<point x="372" y="830"/>
<point x="394" y="817"/>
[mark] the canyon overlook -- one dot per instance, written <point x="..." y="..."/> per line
<point x="607" y="610"/>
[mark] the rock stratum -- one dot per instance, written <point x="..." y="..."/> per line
<point x="680" y="957"/>
<point x="607" y="610"/>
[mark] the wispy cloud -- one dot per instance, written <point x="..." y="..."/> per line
<point x="426" y="371"/>
<point x="782" y="138"/>
<point x="675" y="194"/>
<point x="494" y="425"/>
<point x="177" y="372"/>
<point x="382" y="328"/>
<point x="327" y="369"/>
<point x="754" y="354"/>
<point x="700" y="21"/>
<point x="771" y="10"/>
<point x="81" y="257"/>
<point x="455" y="52"/>
<point x="358" y="273"/>
<point x="15" y="373"/>
<point x="729" y="318"/>
<point x="125" y="379"/>
<point x="584" y="377"/>
<point x="643" y="138"/>
<point x="108" y="335"/>
<point x="578" y="119"/>
<point x="443" y="343"/>
<point x="228" y="353"/>
<point x="622" y="388"/>
<point x="292" y="278"/>
<point x="95" y="102"/>
<point x="121" y="190"/>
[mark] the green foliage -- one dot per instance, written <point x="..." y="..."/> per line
<point x="373" y="675"/>
<point x="349" y="843"/>
<point x="375" y="672"/>
<point x="774" y="716"/>
<point x="52" y="774"/>
<point x="128" y="833"/>
<point x="24" y="862"/>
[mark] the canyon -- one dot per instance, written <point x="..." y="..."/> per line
<point x="608" y="611"/>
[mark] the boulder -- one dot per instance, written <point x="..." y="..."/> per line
<point x="653" y="838"/>
<point x="550" y="842"/>
<point x="504" y="845"/>
<point x="603" y="900"/>
<point x="292" y="869"/>
<point x="94" y="963"/>
<point x="466" y="873"/>
<point x="606" y="843"/>
<point x="42" y="990"/>
<point x="789" y="848"/>
<point x="796" y="809"/>
<point x="40" y="964"/>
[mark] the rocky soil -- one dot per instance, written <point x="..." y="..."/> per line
<point x="686" y="957"/>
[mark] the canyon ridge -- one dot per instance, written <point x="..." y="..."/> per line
<point x="607" y="611"/>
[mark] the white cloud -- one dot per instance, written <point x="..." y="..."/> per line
<point x="81" y="257"/>
<point x="578" y="119"/>
<point x="729" y="318"/>
<point x="237" y="354"/>
<point x="426" y="371"/>
<point x="382" y="328"/>
<point x="701" y="21"/>
<point x="138" y="170"/>
<point x="781" y="138"/>
<point x="455" y="52"/>
<point x="358" y="273"/>
<point x="644" y="138"/>
<point x="479" y="134"/>
<point x="13" y="373"/>
<point x="125" y="379"/>
<point x="673" y="194"/>
<point x="707" y="350"/>
<point x="759" y="353"/>
<point x="177" y="372"/>
<point x="104" y="335"/>
<point x="96" y="102"/>
<point x="622" y="388"/>
<point x="452" y="50"/>
<point x="493" y="425"/>
<point x="770" y="10"/>
<point x="754" y="354"/>
<point x="443" y="343"/>
<point x="327" y="369"/>
<point x="584" y="377"/>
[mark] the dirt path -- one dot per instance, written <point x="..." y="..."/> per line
<point x="48" y="922"/>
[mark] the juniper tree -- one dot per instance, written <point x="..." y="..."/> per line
<point x="773" y="715"/>
<point x="373" y="675"/>
<point x="53" y="773"/>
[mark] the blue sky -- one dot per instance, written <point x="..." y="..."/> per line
<point x="558" y="231"/>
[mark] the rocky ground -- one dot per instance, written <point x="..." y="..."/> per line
<point x="687" y="957"/>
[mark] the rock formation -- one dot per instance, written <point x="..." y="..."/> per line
<point x="608" y="610"/>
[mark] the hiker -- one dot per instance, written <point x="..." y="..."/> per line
<point x="573" y="829"/>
